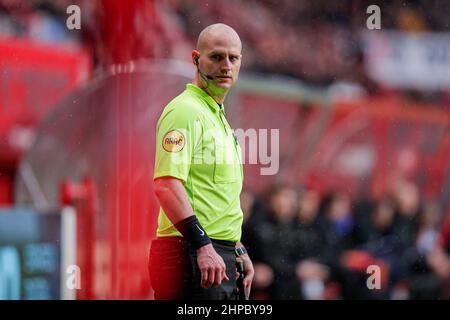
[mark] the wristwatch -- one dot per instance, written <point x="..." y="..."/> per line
<point x="240" y="251"/>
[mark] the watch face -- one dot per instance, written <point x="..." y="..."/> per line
<point x="240" y="251"/>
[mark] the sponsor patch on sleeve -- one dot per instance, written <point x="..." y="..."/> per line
<point x="173" y="141"/>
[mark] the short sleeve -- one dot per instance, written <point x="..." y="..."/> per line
<point x="177" y="134"/>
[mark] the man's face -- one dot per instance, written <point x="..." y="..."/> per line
<point x="221" y="59"/>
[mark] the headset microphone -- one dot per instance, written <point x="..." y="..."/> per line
<point x="207" y="76"/>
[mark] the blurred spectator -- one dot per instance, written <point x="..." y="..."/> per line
<point x="311" y="273"/>
<point x="429" y="260"/>
<point x="382" y="242"/>
<point x="438" y="259"/>
<point x="274" y="247"/>
<point x="308" y="242"/>
<point x="428" y="233"/>
<point x="407" y="202"/>
<point x="382" y="220"/>
<point x="336" y="225"/>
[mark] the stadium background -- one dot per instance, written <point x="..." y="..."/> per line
<point x="363" y="118"/>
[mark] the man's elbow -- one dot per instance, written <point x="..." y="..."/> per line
<point x="160" y="187"/>
<point x="164" y="186"/>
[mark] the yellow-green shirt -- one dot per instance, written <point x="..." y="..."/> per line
<point x="195" y="143"/>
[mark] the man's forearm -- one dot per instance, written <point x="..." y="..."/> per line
<point x="173" y="199"/>
<point x="175" y="203"/>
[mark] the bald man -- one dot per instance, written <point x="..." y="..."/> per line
<point x="198" y="180"/>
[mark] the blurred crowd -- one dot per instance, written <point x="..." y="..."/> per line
<point x="318" y="42"/>
<point x="307" y="245"/>
<point x="38" y="20"/>
<point x="313" y="40"/>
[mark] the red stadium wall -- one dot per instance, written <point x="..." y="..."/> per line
<point x="33" y="78"/>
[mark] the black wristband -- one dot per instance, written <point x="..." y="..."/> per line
<point x="193" y="231"/>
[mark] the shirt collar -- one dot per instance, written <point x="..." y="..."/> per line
<point x="205" y="96"/>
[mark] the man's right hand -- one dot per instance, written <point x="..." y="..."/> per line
<point x="211" y="266"/>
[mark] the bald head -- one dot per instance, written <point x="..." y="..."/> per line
<point x="218" y="32"/>
<point x="218" y="60"/>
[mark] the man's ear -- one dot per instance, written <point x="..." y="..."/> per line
<point x="195" y="57"/>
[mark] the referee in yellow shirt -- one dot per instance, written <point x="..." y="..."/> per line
<point x="198" y="180"/>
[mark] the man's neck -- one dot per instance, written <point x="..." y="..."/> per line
<point x="218" y="96"/>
